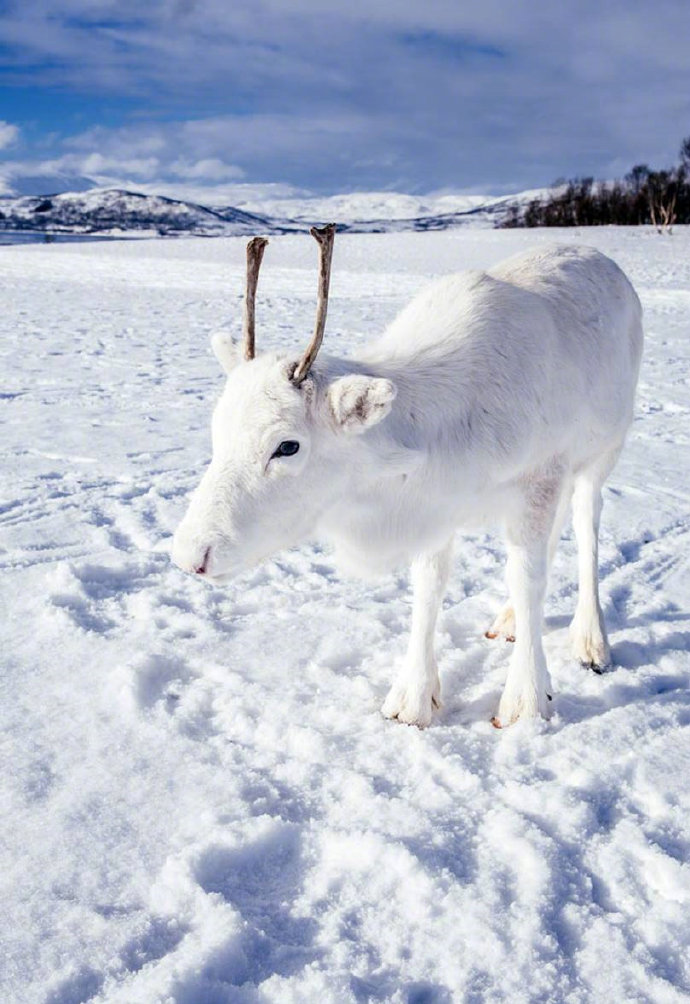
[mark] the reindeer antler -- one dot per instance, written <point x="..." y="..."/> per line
<point x="255" y="252"/>
<point x="325" y="237"/>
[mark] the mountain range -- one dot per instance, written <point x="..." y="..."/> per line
<point x="117" y="212"/>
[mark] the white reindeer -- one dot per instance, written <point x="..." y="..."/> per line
<point x="493" y="396"/>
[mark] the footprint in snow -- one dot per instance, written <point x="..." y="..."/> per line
<point x="261" y="880"/>
<point x="160" y="678"/>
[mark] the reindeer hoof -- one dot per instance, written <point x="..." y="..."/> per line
<point x="410" y="705"/>
<point x="503" y="625"/>
<point x="492" y="635"/>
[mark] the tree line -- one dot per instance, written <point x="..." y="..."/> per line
<point x="659" y="198"/>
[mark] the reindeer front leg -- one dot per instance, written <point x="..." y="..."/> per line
<point x="417" y="690"/>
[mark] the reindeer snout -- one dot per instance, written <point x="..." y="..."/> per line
<point x="191" y="556"/>
<point x="202" y="567"/>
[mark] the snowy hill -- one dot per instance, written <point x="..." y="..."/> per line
<point x="201" y="801"/>
<point x="490" y="213"/>
<point x="382" y="212"/>
<point x="119" y="212"/>
<point x="115" y="210"/>
<point x="360" y="207"/>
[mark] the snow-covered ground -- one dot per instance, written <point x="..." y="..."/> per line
<point x="201" y="803"/>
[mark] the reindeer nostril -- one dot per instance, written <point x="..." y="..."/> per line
<point x="202" y="568"/>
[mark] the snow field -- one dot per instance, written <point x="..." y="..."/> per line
<point x="201" y="800"/>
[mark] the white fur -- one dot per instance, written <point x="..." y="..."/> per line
<point x="493" y="396"/>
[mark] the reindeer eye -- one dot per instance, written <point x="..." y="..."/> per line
<point x="287" y="448"/>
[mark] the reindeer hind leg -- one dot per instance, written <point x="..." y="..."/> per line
<point x="587" y="630"/>
<point x="503" y="625"/>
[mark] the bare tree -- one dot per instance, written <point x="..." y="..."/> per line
<point x="662" y="194"/>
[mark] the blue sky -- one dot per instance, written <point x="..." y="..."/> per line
<point x="214" y="97"/>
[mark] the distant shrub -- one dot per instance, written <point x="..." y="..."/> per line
<point x="659" y="198"/>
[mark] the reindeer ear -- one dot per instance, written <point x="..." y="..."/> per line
<point x="358" y="402"/>
<point x="226" y="351"/>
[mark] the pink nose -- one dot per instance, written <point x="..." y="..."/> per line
<point x="202" y="568"/>
<point x="190" y="555"/>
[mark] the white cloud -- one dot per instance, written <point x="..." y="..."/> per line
<point x="8" y="134"/>
<point x="97" y="165"/>
<point x="202" y="180"/>
<point x="367" y="93"/>
<point x="209" y="168"/>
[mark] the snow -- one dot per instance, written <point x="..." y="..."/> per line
<point x="201" y="801"/>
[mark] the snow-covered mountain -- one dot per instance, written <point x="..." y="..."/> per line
<point x="391" y="212"/>
<point x="491" y="212"/>
<point x="360" y="207"/>
<point x="117" y="211"/>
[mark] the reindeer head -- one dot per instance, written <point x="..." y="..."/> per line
<point x="284" y="442"/>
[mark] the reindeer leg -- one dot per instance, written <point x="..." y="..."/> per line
<point x="587" y="631"/>
<point x="417" y="690"/>
<point x="503" y="625"/>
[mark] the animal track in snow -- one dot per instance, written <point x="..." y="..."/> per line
<point x="95" y="596"/>
<point x="261" y="881"/>
<point x="159" y="678"/>
<point x="159" y="938"/>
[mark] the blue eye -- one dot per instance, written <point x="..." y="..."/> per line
<point x="288" y="448"/>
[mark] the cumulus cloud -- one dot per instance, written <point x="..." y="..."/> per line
<point x="209" y="169"/>
<point x="506" y="93"/>
<point x="8" y="134"/>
